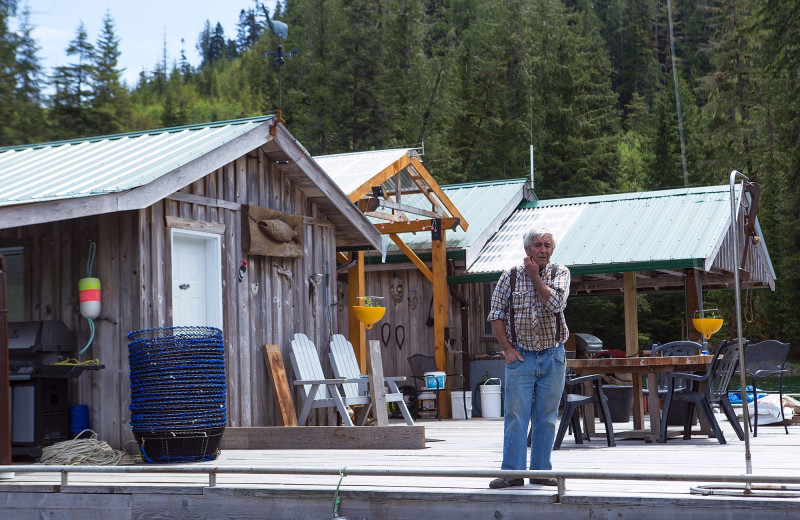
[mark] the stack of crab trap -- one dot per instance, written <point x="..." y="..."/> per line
<point x="177" y="375"/>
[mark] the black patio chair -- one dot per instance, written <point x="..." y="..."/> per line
<point x="420" y="364"/>
<point x="672" y="348"/>
<point x="716" y="378"/>
<point x="766" y="359"/>
<point x="573" y="401"/>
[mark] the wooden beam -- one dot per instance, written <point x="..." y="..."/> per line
<point x="377" y="387"/>
<point x="194" y="225"/>
<point x="386" y="203"/>
<point x="355" y="288"/>
<point x="280" y="384"/>
<point x="324" y="437"/>
<point x="440" y="319"/>
<point x="379" y="178"/>
<point x="342" y="258"/>
<point x="415" y="226"/>
<point x="412" y="256"/>
<point x="632" y="344"/>
<point x="434" y="186"/>
<point x="205" y="201"/>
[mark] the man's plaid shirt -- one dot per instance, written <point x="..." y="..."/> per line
<point x="535" y="319"/>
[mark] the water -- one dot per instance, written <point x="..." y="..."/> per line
<point x="791" y="384"/>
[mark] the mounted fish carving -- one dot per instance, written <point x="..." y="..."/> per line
<point x="277" y="230"/>
<point x="268" y="232"/>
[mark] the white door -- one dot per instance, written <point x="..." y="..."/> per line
<point x="196" y="279"/>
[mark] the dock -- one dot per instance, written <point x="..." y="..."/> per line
<point x="448" y="479"/>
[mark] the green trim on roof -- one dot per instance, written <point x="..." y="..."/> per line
<point x="520" y="180"/>
<point x="687" y="263"/>
<point x="473" y="278"/>
<point x="622" y="196"/>
<point x="492" y="276"/>
<point x="137" y="133"/>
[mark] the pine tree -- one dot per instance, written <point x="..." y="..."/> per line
<point x="8" y="66"/>
<point x="30" y="124"/>
<point x="110" y="102"/>
<point x="780" y="179"/>
<point x="70" y="103"/>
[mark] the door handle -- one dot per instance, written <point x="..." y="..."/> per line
<point x="183" y="286"/>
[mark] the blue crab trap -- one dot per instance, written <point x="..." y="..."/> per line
<point x="178" y="410"/>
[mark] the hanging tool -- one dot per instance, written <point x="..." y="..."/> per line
<point x="386" y="334"/>
<point x="400" y="338"/>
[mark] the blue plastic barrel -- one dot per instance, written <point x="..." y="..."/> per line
<point x="78" y="419"/>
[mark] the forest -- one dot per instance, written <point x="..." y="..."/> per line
<point x="613" y="95"/>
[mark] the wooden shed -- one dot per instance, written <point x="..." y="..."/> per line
<point x="175" y="217"/>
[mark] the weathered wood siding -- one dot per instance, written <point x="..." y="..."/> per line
<point x="410" y="309"/>
<point x="277" y="297"/>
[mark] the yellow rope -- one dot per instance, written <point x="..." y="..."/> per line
<point x="72" y="361"/>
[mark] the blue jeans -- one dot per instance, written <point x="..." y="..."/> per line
<point x="533" y="394"/>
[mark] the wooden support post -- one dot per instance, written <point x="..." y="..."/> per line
<point x="694" y="302"/>
<point x="5" y="389"/>
<point x="440" y="319"/>
<point x="632" y="344"/>
<point x="376" y="385"/>
<point x="280" y="384"/>
<point x="355" y="288"/>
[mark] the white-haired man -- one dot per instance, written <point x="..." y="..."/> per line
<point x="527" y="316"/>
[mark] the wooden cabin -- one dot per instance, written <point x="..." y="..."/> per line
<point x="166" y="219"/>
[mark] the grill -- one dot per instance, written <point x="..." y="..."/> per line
<point x="39" y="387"/>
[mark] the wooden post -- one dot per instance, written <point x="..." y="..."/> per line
<point x="632" y="344"/>
<point x="283" y="396"/>
<point x="376" y="385"/>
<point x="440" y="319"/>
<point x="694" y="302"/>
<point x="5" y="389"/>
<point x="355" y="288"/>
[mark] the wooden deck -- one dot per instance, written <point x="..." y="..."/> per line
<point x="470" y="445"/>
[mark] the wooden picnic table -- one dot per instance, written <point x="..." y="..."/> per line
<point x="651" y="366"/>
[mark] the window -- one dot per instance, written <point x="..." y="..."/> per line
<point x="15" y="282"/>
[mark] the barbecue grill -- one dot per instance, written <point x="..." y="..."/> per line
<point x="39" y="386"/>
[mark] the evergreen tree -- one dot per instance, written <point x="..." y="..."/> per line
<point x="780" y="179"/>
<point x="732" y="109"/>
<point x="110" y="101"/>
<point x="8" y="68"/>
<point x="72" y="82"/>
<point x="30" y="123"/>
<point x="248" y="30"/>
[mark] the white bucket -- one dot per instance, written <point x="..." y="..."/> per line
<point x="490" y="399"/>
<point x="457" y="402"/>
<point x="434" y="380"/>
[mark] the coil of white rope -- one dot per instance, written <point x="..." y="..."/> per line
<point x="85" y="452"/>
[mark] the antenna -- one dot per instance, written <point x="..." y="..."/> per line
<point x="281" y="31"/>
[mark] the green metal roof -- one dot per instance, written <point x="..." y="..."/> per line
<point x="108" y="164"/>
<point x="669" y="229"/>
<point x="485" y="205"/>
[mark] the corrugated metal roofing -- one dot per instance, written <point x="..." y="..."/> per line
<point x="613" y="233"/>
<point x="483" y="204"/>
<point x="108" y="164"/>
<point x="351" y="170"/>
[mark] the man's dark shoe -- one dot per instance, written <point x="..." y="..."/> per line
<point x="544" y="481"/>
<point x="504" y="482"/>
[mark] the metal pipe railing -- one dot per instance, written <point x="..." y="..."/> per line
<point x="560" y="476"/>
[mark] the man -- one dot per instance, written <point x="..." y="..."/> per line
<point x="528" y="321"/>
